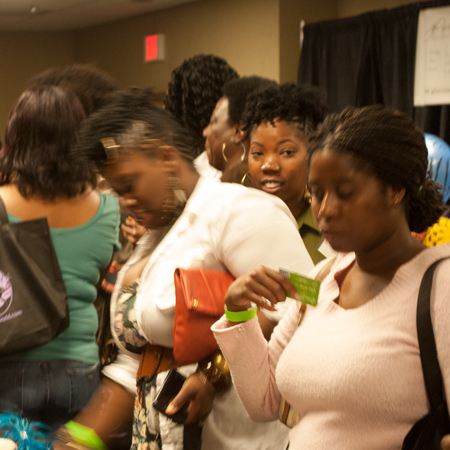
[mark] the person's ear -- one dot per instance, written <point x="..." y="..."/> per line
<point x="395" y="196"/>
<point x="239" y="134"/>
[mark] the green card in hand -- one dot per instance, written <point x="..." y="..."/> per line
<point x="307" y="288"/>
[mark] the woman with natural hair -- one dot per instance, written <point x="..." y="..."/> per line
<point x="279" y="120"/>
<point x="41" y="177"/>
<point x="352" y="369"/>
<point x="226" y="141"/>
<point x="194" y="222"/>
<point x="89" y="83"/>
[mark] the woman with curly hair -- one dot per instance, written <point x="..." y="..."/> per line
<point x="352" y="369"/>
<point x="279" y="120"/>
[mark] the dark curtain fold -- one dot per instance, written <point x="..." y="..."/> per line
<point x="370" y="59"/>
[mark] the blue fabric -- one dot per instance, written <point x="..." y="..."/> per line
<point x="52" y="392"/>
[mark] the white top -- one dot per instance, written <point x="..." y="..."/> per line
<point x="354" y="375"/>
<point x="223" y="227"/>
<point x="202" y="166"/>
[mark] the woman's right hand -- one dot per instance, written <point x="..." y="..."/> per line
<point x="132" y="231"/>
<point x="263" y="286"/>
<point x="199" y="397"/>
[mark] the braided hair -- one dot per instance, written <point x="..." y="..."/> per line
<point x="194" y="89"/>
<point x="388" y="144"/>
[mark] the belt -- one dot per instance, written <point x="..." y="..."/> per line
<point x="155" y="359"/>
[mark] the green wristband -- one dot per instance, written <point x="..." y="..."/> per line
<point x="240" y="316"/>
<point x="84" y="436"/>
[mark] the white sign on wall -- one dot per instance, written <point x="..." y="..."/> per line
<point x="432" y="74"/>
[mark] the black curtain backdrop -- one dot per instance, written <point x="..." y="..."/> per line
<point x="370" y="59"/>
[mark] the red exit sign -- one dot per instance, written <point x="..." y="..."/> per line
<point x="154" y="48"/>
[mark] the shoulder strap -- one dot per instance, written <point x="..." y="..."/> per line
<point x="428" y="354"/>
<point x="3" y="215"/>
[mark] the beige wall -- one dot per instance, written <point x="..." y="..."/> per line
<point x="245" y="33"/>
<point x="255" y="36"/>
<point x="24" y="54"/>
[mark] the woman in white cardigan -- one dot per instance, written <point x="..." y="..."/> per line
<point x="195" y="223"/>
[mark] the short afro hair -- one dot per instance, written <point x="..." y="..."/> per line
<point x="90" y="84"/>
<point x="300" y="104"/>
<point x="194" y="89"/>
<point x="238" y="90"/>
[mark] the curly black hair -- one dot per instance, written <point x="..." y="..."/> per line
<point x="40" y="134"/>
<point x="238" y="90"/>
<point x="129" y="117"/>
<point x="194" y="89"/>
<point x="89" y="83"/>
<point x="388" y="144"/>
<point x="303" y="105"/>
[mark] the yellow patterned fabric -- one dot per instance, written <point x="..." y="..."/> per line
<point x="439" y="233"/>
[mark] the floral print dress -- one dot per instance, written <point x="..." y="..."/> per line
<point x="146" y="420"/>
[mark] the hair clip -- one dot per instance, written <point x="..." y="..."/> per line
<point x="110" y="147"/>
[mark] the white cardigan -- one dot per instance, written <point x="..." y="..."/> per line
<point x="223" y="227"/>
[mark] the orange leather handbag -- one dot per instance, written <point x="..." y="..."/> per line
<point x="200" y="300"/>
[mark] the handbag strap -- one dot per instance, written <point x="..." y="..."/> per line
<point x="3" y="215"/>
<point x="427" y="344"/>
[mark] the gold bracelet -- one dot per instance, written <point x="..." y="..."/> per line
<point x="216" y="371"/>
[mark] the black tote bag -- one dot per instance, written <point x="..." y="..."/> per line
<point x="428" y="432"/>
<point x="33" y="297"/>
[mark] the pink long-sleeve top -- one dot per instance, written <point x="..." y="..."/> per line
<point x="354" y="375"/>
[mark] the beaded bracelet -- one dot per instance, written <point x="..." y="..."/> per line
<point x="240" y="316"/>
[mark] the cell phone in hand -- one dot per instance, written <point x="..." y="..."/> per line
<point x="168" y="391"/>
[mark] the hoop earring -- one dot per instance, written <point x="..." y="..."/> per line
<point x="223" y="152"/>
<point x="246" y="176"/>
<point x="173" y="205"/>
<point x="307" y="195"/>
<point x="245" y="152"/>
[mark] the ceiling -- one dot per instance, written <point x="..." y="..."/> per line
<point x="53" y="15"/>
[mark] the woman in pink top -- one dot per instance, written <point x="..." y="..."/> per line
<point x="352" y="369"/>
